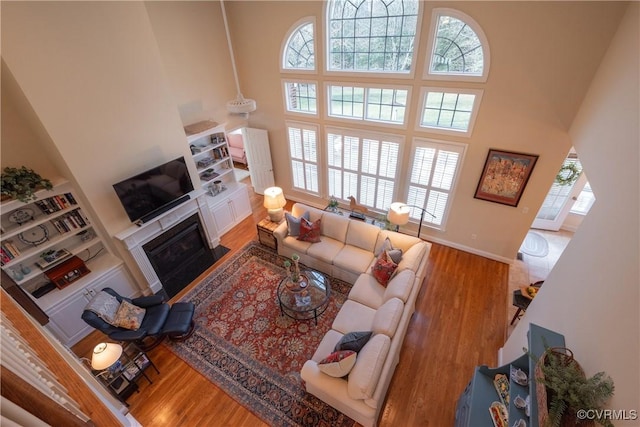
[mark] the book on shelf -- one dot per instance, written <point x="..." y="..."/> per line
<point x="55" y="203"/>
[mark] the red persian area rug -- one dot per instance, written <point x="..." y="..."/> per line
<point x="244" y="345"/>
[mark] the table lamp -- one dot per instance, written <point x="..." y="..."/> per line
<point x="105" y="355"/>
<point x="274" y="201"/>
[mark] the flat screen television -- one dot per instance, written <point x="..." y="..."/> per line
<point x="152" y="192"/>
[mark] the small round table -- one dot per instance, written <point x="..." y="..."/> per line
<point x="304" y="302"/>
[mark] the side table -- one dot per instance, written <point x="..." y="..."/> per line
<point x="265" y="233"/>
<point x="121" y="378"/>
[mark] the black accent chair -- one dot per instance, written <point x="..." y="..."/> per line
<point x="160" y="321"/>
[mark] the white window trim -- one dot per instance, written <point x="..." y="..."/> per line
<point x="285" y="43"/>
<point x="435" y="16"/>
<point x="448" y="131"/>
<point x="417" y="141"/>
<point x="319" y="152"/>
<point x="362" y="134"/>
<point x="364" y="120"/>
<point x="285" y="98"/>
<point x="372" y="74"/>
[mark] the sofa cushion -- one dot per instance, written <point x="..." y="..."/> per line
<point x="296" y="245"/>
<point x="387" y="317"/>
<point x="353" y="316"/>
<point x="293" y="223"/>
<point x="353" y="259"/>
<point x="384" y="268"/>
<point x="366" y="290"/>
<point x="400" y="286"/>
<point x="326" y="249"/>
<point x="129" y="316"/>
<point x="363" y="378"/>
<point x="335" y="226"/>
<point x="353" y="341"/>
<point x="338" y="364"/>
<point x="412" y="257"/>
<point x="309" y="231"/>
<point x="362" y="235"/>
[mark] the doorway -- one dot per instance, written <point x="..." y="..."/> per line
<point x="561" y="196"/>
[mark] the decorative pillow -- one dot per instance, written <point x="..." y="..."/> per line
<point x="338" y="364"/>
<point x="293" y="223"/>
<point x="353" y="341"/>
<point x="309" y="231"/>
<point x="104" y="305"/>
<point x="129" y="316"/>
<point x="396" y="254"/>
<point x="384" y="268"/>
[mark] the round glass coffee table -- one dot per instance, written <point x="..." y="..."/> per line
<point x="304" y="302"/>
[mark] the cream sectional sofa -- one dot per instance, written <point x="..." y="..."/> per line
<point x="347" y="251"/>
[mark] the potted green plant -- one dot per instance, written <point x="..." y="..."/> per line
<point x="22" y="183"/>
<point x="565" y="395"/>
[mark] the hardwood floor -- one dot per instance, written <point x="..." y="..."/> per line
<point x="460" y="322"/>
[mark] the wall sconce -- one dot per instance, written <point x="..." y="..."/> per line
<point x="274" y="201"/>
<point x="105" y="355"/>
<point x="399" y="214"/>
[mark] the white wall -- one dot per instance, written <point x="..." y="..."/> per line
<point x="92" y="73"/>
<point x="592" y="294"/>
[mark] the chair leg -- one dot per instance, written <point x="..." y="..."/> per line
<point x="516" y="316"/>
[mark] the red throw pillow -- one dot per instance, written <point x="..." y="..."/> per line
<point x="384" y="268"/>
<point x="309" y="231"/>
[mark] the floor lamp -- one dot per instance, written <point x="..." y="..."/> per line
<point x="399" y="214"/>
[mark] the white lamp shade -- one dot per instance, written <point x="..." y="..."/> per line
<point x="274" y="198"/>
<point x="105" y="355"/>
<point x="398" y="213"/>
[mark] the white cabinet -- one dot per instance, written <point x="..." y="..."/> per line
<point x="64" y="317"/>
<point x="230" y="207"/>
<point x="56" y="223"/>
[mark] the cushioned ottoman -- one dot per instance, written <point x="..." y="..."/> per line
<point x="179" y="325"/>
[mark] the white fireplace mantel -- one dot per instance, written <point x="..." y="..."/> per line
<point x="134" y="237"/>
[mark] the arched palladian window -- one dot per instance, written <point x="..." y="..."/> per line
<point x="299" y="51"/>
<point x="458" y="49"/>
<point x="371" y="35"/>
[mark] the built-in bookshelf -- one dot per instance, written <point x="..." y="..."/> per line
<point x="40" y="239"/>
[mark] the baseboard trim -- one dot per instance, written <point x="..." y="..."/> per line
<point x="474" y="251"/>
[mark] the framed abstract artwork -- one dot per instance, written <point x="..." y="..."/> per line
<point x="505" y="176"/>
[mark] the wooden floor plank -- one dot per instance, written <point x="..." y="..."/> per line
<point x="460" y="322"/>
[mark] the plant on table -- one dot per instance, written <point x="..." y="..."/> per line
<point x="570" y="391"/>
<point x="295" y="272"/>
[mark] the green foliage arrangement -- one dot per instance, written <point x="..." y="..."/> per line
<point x="21" y="183"/>
<point x="569" y="390"/>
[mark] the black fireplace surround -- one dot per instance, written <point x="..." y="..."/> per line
<point x="180" y="254"/>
